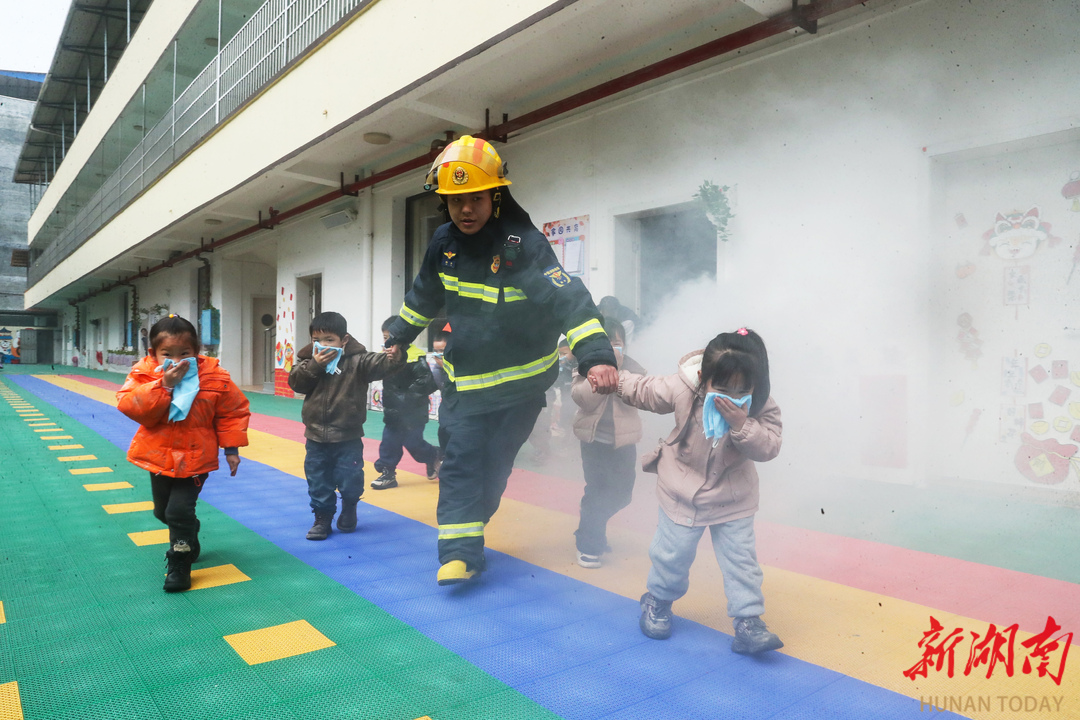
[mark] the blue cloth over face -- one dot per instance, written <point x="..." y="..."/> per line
<point x="184" y="392"/>
<point x="332" y="366"/>
<point x="716" y="426"/>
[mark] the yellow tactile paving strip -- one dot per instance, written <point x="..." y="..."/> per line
<point x="879" y="633"/>
<point x="277" y="642"/>
<point x="150" y="537"/>
<point x="129" y="507"/>
<point x="203" y="578"/>
<point x="98" y="487"/>
<point x="10" y="705"/>
<point x="90" y="471"/>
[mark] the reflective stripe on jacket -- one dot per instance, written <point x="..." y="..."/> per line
<point x="505" y="321"/>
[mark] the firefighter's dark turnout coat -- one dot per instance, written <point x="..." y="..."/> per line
<point x="507" y="300"/>
<point x="505" y="314"/>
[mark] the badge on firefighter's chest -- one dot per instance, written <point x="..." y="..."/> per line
<point x="448" y="260"/>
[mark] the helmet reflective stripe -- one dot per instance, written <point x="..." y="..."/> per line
<point x="460" y="530"/>
<point x="466" y="165"/>
<point x="414" y="318"/>
<point x="465" y="383"/>
<point x="577" y="334"/>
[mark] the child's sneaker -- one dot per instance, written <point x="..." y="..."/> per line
<point x="385" y="481"/>
<point x="586" y="560"/>
<point x="751" y="636"/>
<point x="655" y="617"/>
<point x="434" y="466"/>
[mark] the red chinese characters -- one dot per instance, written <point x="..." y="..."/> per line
<point x="1046" y="652"/>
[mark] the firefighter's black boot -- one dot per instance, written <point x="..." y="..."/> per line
<point x="321" y="529"/>
<point x="179" y="558"/>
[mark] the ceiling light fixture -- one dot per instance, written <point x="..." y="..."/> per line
<point x="377" y="138"/>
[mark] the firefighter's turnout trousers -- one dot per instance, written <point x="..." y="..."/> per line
<point x="479" y="457"/>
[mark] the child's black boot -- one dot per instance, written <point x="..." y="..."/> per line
<point x="346" y="520"/>
<point x="751" y="636"/>
<point x="385" y="481"/>
<point x="655" y="617"/>
<point x="321" y="529"/>
<point x="178" y="576"/>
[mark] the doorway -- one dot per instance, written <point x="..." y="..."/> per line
<point x="424" y="213"/>
<point x="263" y="338"/>
<point x="308" y="305"/>
<point x="668" y="246"/>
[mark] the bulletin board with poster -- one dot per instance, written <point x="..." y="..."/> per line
<point x="568" y="239"/>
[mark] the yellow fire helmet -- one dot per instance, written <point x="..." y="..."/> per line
<point x="466" y="165"/>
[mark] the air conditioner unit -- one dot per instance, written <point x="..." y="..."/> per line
<point x="337" y="219"/>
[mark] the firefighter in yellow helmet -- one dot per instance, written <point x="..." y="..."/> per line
<point x="508" y="301"/>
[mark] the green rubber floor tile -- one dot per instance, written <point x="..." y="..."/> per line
<point x="13" y="570"/>
<point x="147" y="636"/>
<point x="164" y="608"/>
<point x="64" y="690"/>
<point x="168" y="665"/>
<point x="58" y="626"/>
<point x="26" y="549"/>
<point x="396" y="651"/>
<point x="136" y="706"/>
<point x="312" y="673"/>
<point x="90" y="649"/>
<point x="44" y="604"/>
<point x="447" y="683"/>
<point x="507" y="705"/>
<point x="33" y="585"/>
<point x="280" y="711"/>
<point x="252" y="613"/>
<point x="144" y="590"/>
<point x="358" y="624"/>
<point x="213" y="697"/>
<point x="7" y="664"/>
<point x="369" y="700"/>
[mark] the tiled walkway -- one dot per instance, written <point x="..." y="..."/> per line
<point x="355" y="627"/>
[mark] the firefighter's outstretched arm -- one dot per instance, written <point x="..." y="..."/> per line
<point x="422" y="303"/>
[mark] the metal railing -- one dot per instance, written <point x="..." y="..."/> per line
<point x="277" y="33"/>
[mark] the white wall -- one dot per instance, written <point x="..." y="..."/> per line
<point x="823" y="144"/>
<point x="828" y="148"/>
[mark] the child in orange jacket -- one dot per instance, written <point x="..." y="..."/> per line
<point x="187" y="406"/>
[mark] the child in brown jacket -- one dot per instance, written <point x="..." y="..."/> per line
<point x="724" y="422"/>
<point x="333" y="375"/>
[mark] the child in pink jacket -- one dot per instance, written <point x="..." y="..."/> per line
<point x="724" y="422"/>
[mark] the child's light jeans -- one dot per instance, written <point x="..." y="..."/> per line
<point x="672" y="553"/>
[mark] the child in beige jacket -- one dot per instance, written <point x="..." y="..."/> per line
<point x="724" y="422"/>
<point x="608" y="430"/>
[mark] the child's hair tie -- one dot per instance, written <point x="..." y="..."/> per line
<point x="743" y="331"/>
